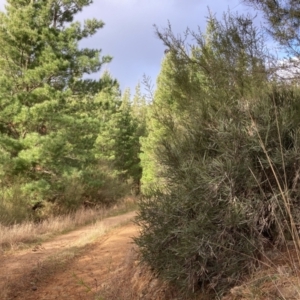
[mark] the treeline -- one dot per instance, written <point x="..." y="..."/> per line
<point x="221" y="159"/>
<point x="65" y="140"/>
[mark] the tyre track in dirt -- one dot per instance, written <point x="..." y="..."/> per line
<point x="98" y="273"/>
<point x="24" y="273"/>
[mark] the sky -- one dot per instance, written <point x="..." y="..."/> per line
<point x="129" y="35"/>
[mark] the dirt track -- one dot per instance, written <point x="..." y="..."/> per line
<point x="77" y="265"/>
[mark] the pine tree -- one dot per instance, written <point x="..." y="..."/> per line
<point x="283" y="25"/>
<point x="41" y="91"/>
<point x="160" y="122"/>
<point x="118" y="141"/>
<point x="283" y="20"/>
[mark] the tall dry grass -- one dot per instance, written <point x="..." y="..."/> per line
<point x="278" y="276"/>
<point x="18" y="235"/>
<point x="29" y="232"/>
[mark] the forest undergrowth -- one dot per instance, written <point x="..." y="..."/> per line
<point x="26" y="234"/>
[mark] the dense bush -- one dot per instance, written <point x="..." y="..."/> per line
<point x="226" y="159"/>
<point x="65" y="140"/>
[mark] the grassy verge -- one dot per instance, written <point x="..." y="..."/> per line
<point x="277" y="278"/>
<point x="21" y="235"/>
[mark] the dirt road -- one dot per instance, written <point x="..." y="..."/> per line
<point x="75" y="265"/>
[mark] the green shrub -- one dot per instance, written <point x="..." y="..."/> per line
<point x="219" y="209"/>
<point x="14" y="205"/>
<point x="226" y="151"/>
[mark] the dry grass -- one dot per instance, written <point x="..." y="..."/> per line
<point x="29" y="232"/>
<point x="139" y="281"/>
<point x="278" y="276"/>
<point x="279" y="279"/>
<point x="18" y="235"/>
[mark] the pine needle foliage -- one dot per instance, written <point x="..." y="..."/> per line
<point x="223" y="138"/>
<point x="51" y="115"/>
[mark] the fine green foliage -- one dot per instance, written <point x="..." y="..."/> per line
<point x="52" y="118"/>
<point x="283" y="22"/>
<point x="221" y="158"/>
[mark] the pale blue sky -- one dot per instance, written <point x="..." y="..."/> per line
<point x="128" y="34"/>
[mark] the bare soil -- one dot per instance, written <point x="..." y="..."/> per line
<point x="101" y="262"/>
<point x="90" y="263"/>
<point x="70" y="266"/>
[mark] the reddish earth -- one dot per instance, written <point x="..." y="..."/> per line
<point x="83" y="264"/>
<point x="94" y="263"/>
